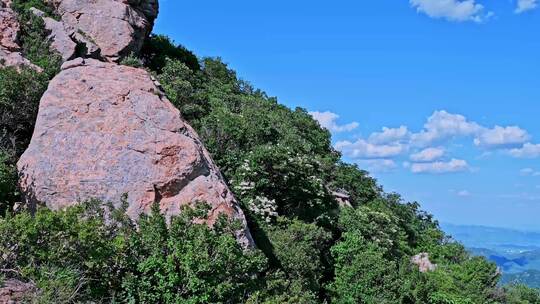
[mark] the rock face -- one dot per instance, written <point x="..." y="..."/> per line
<point x="424" y="264"/>
<point x="14" y="291"/>
<point x="9" y="31"/>
<point x="108" y="29"/>
<point x="104" y="130"/>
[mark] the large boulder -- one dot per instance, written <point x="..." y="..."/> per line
<point x="104" y="130"/>
<point x="115" y="27"/>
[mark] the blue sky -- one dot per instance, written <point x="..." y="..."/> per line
<point x="439" y="99"/>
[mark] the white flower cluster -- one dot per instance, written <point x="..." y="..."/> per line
<point x="264" y="207"/>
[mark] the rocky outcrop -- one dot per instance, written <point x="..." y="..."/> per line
<point x="10" y="51"/>
<point x="105" y="29"/>
<point x="15" y="291"/>
<point x="104" y="130"/>
<point x="342" y="197"/>
<point x="61" y="40"/>
<point x="424" y="264"/>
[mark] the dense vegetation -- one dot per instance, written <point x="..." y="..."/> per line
<point x="281" y="165"/>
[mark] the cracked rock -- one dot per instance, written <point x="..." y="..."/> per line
<point x="104" y="130"/>
<point x="110" y="28"/>
<point x="10" y="54"/>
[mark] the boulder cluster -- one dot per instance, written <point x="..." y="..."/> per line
<point x="104" y="129"/>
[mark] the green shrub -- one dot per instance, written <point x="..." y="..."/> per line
<point x="132" y="61"/>
<point x="20" y="92"/>
<point x="33" y="36"/>
<point x="157" y="48"/>
<point x="8" y="183"/>
<point x="76" y="255"/>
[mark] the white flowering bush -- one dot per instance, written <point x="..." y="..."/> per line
<point x="274" y="180"/>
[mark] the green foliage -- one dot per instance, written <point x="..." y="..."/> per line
<point x="8" y="182"/>
<point x="76" y="255"/>
<point x="157" y="48"/>
<point x="356" y="182"/>
<point x="178" y="81"/>
<point x="377" y="227"/>
<point x="469" y="280"/>
<point x="275" y="180"/>
<point x="299" y="259"/>
<point x="132" y="61"/>
<point x="363" y="274"/>
<point x="520" y="294"/>
<point x="20" y="92"/>
<point x="22" y="6"/>
<point x="189" y="263"/>
<point x="33" y="36"/>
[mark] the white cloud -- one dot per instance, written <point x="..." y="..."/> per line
<point x="501" y="137"/>
<point x="380" y="165"/>
<point x="454" y="165"/>
<point x="529" y="172"/>
<point x="361" y="149"/>
<point x="452" y="10"/>
<point x="443" y="125"/>
<point x="428" y="155"/>
<point x="389" y="135"/>
<point x="463" y="193"/>
<point x="328" y="120"/>
<point x="525" y="5"/>
<point x="527" y="151"/>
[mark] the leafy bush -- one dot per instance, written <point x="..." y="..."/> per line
<point x="363" y="274"/>
<point x="20" y="92"/>
<point x="76" y="255"/>
<point x="8" y="183"/>
<point x="157" y="48"/>
<point x="33" y="36"/>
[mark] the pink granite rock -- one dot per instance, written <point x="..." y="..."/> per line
<point x="116" y="27"/>
<point x="14" y="291"/>
<point x="104" y="130"/>
<point x="9" y="27"/>
<point x="10" y="55"/>
<point x="60" y="39"/>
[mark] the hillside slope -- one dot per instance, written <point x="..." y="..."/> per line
<point x="324" y="230"/>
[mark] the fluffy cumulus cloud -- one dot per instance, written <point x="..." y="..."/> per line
<point x="430" y="145"/>
<point x="328" y="120"/>
<point x="501" y="137"/>
<point x="440" y="167"/>
<point x="362" y="149"/>
<point x="442" y="125"/>
<point x="379" y="165"/>
<point x="453" y="10"/>
<point x="525" y="5"/>
<point x="389" y="135"/>
<point x="527" y="151"/>
<point x="428" y="155"/>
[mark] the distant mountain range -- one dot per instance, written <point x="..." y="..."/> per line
<point x="517" y="253"/>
